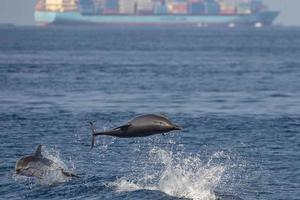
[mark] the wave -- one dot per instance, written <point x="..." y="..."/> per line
<point x="179" y="175"/>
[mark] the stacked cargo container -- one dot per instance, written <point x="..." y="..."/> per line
<point x="196" y="8"/>
<point x="145" y="7"/>
<point x="212" y="7"/>
<point x="111" y="7"/>
<point x="156" y="7"/>
<point x="128" y="7"/>
<point x="177" y="7"/>
<point x="243" y="8"/>
<point x="87" y="7"/>
<point x="136" y="7"/>
<point x="227" y="7"/>
<point x="99" y="5"/>
<point x="160" y="7"/>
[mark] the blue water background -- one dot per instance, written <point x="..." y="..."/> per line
<point x="235" y="92"/>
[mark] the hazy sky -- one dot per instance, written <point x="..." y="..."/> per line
<point x="20" y="12"/>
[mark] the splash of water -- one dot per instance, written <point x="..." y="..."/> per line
<point x="51" y="175"/>
<point x="176" y="174"/>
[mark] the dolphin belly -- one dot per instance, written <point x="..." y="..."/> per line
<point x="139" y="132"/>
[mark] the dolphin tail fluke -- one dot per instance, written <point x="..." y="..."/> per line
<point x="93" y="128"/>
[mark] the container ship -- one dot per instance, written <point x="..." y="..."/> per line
<point x="201" y="13"/>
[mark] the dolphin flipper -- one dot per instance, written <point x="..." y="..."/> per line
<point x="123" y="127"/>
<point x="69" y="174"/>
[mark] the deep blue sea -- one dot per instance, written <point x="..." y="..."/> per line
<point x="236" y="93"/>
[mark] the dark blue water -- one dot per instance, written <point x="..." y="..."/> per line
<point x="235" y="92"/>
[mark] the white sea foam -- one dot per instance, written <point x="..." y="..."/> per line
<point x="54" y="175"/>
<point x="179" y="175"/>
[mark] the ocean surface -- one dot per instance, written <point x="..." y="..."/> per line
<point x="236" y="93"/>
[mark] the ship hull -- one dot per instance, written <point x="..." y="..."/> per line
<point x="264" y="18"/>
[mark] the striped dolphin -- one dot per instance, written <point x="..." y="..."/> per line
<point x="36" y="165"/>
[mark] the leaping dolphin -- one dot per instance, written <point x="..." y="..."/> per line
<point x="140" y="126"/>
<point x="36" y="165"/>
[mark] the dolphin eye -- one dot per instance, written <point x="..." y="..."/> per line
<point x="163" y="123"/>
<point x="158" y="122"/>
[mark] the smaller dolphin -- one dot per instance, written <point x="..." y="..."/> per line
<point x="141" y="126"/>
<point x="36" y="165"/>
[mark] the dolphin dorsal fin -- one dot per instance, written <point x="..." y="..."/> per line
<point x="38" y="151"/>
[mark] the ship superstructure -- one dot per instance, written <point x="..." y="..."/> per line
<point x="57" y="5"/>
<point x="150" y="12"/>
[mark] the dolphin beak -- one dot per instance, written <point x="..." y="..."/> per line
<point x="177" y="127"/>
